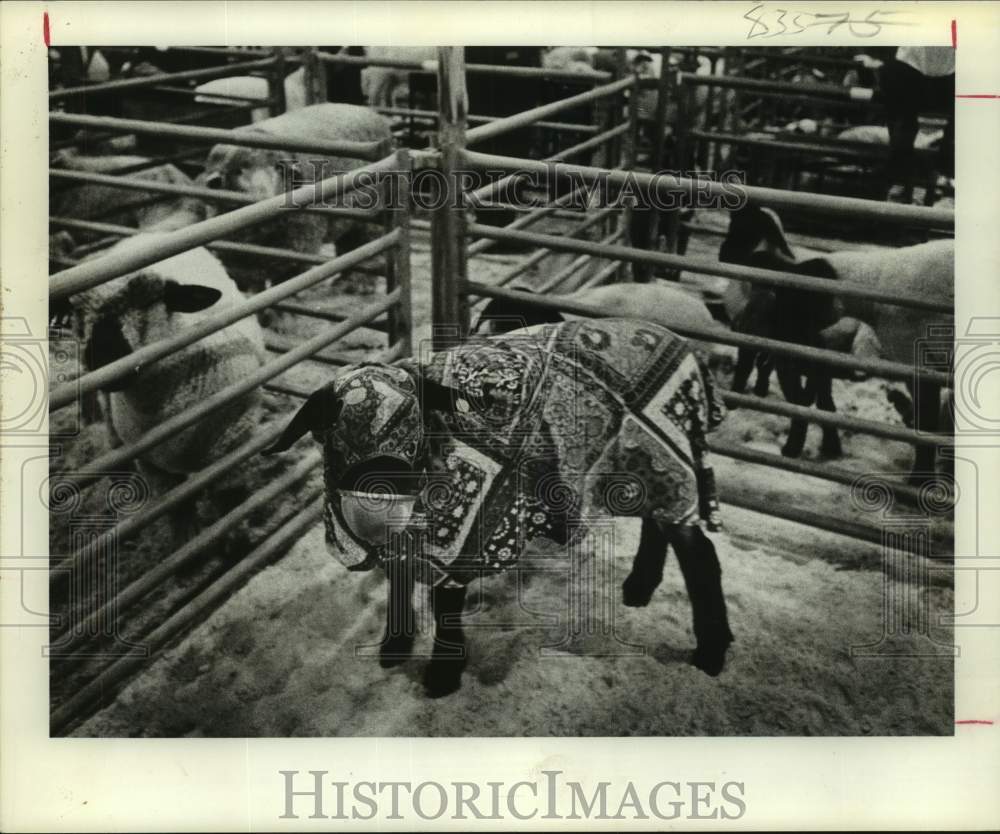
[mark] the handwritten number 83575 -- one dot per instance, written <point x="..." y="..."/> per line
<point x="771" y="22"/>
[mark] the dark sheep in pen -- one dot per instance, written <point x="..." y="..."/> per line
<point x="862" y="328"/>
<point x="481" y="447"/>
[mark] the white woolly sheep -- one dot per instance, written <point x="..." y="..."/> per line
<point x="252" y="87"/>
<point x="153" y="304"/>
<point x="658" y="302"/>
<point x="91" y="201"/>
<point x="264" y="173"/>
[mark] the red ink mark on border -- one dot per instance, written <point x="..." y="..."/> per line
<point x="45" y="30"/>
<point x="974" y="721"/>
<point x="954" y="34"/>
<point x="977" y="95"/>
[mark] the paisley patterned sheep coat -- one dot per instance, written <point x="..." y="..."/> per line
<point x="551" y="426"/>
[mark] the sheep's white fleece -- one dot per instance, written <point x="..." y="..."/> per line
<point x="183" y="379"/>
<point x="926" y="271"/>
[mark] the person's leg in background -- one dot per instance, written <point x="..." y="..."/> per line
<point x="902" y="89"/>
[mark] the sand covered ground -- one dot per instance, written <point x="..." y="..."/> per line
<point x="284" y="655"/>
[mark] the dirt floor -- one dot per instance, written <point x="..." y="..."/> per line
<point x="549" y="655"/>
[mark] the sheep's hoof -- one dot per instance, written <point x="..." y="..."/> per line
<point x="832" y="450"/>
<point x="443" y="677"/>
<point x="791" y="450"/>
<point x="395" y="650"/>
<point x="710" y="659"/>
<point x="636" y="592"/>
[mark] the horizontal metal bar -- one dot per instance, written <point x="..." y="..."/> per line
<point x="430" y="66"/>
<point x="833" y="359"/>
<point x="205" y="539"/>
<point x="161" y="78"/>
<point x="831" y="91"/>
<point x="162" y="504"/>
<point x="600" y="277"/>
<point x="226" y="51"/>
<point x="542" y="254"/>
<point x="109" y="680"/>
<point x="193" y="92"/>
<point x="824" y="471"/>
<point x="727" y="193"/>
<point x="68" y="392"/>
<point x="276" y="343"/>
<point x="839" y="421"/>
<point x="114" y="459"/>
<point x="432" y="115"/>
<point x="369" y="151"/>
<point x="528" y="117"/>
<point x="324" y="315"/>
<point x="592" y="142"/>
<point x="90" y="274"/>
<point x="860" y="150"/>
<point x="753" y="275"/>
<point x="768" y="53"/>
<point x="208" y="194"/>
<point x="575" y="265"/>
<point x="481" y="245"/>
<point x="843" y="527"/>
<point x="232" y="247"/>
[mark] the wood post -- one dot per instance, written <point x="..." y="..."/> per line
<point x="449" y="304"/>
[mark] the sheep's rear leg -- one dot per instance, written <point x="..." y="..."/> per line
<point x="797" y="394"/>
<point x="400" y="621"/>
<point x="444" y="672"/>
<point x="830" y="447"/>
<point x="744" y="365"/>
<point x="926" y="418"/>
<point x="647" y="567"/>
<point x="703" y="579"/>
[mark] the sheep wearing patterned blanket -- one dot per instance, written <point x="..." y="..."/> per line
<point x="155" y="303"/>
<point x="535" y="433"/>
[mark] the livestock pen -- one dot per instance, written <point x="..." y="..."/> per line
<point x="333" y="689"/>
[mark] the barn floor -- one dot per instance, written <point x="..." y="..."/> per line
<point x="278" y="658"/>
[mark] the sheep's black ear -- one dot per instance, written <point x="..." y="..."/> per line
<point x="320" y="411"/>
<point x="107" y="343"/>
<point x="438" y="397"/>
<point x="189" y="298"/>
<point x="748" y="227"/>
<point x="817" y="268"/>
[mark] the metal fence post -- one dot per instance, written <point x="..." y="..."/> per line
<point x="315" y="77"/>
<point x="449" y="302"/>
<point x="276" y="84"/>
<point x="397" y="193"/>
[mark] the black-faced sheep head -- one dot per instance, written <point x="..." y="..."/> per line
<point x="142" y="312"/>
<point x="371" y="424"/>
<point x="503" y="315"/>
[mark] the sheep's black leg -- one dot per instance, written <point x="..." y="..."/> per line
<point x="798" y="394"/>
<point x="926" y="416"/>
<point x="400" y="625"/>
<point x="703" y="579"/>
<point x="444" y="672"/>
<point x="744" y="364"/>
<point x="647" y="567"/>
<point x="831" y="447"/>
<point x="764" y="367"/>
